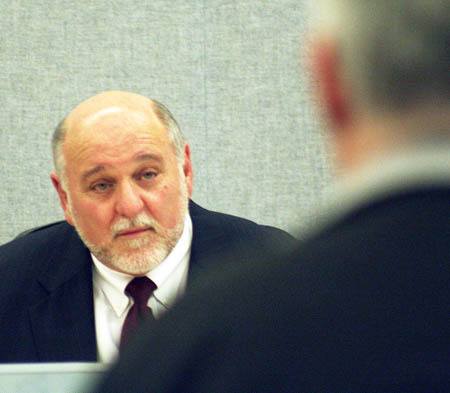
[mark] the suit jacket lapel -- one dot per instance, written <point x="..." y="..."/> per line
<point x="62" y="318"/>
<point x="208" y="240"/>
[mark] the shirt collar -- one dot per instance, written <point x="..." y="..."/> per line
<point x="170" y="275"/>
<point x="113" y="283"/>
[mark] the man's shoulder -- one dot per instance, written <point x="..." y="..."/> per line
<point x="53" y="227"/>
<point x="54" y="247"/>
<point x="37" y="241"/>
<point x="394" y="219"/>
<point x="232" y="225"/>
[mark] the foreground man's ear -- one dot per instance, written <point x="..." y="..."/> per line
<point x="187" y="169"/>
<point x="63" y="198"/>
<point x="328" y="72"/>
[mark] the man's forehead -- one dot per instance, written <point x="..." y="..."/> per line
<point x="111" y="136"/>
<point x="109" y="110"/>
<point x="137" y="158"/>
<point x="114" y="124"/>
<point x="116" y="144"/>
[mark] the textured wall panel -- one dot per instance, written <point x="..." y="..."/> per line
<point x="265" y="159"/>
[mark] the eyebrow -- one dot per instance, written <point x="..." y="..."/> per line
<point x="147" y="157"/>
<point x="92" y="171"/>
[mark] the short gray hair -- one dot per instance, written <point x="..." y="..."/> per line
<point x="395" y="52"/>
<point x="161" y="111"/>
<point x="176" y="136"/>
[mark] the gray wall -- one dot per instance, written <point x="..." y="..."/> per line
<point x="232" y="72"/>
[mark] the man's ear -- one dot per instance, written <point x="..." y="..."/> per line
<point x="187" y="169"/>
<point x="63" y="197"/>
<point x="327" y="70"/>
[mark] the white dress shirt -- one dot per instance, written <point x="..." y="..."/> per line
<point x="111" y="304"/>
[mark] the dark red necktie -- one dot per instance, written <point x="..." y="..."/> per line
<point x="140" y="289"/>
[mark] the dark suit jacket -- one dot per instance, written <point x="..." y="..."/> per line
<point x="46" y="301"/>
<point x="362" y="307"/>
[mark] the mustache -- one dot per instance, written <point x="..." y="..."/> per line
<point x="142" y="220"/>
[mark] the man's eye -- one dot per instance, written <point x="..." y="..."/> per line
<point x="101" y="187"/>
<point x="148" y="175"/>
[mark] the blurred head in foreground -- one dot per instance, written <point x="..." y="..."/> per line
<point x="362" y="305"/>
<point x="382" y="71"/>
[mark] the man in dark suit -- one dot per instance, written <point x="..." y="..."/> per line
<point x="364" y="305"/>
<point x="124" y="178"/>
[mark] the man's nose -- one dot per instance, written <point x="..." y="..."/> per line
<point x="128" y="200"/>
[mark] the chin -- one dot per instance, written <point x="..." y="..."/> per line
<point x="138" y="261"/>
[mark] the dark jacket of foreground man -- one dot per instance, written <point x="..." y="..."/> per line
<point x="364" y="306"/>
<point x="46" y="300"/>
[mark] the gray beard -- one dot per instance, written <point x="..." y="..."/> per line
<point x="146" y="254"/>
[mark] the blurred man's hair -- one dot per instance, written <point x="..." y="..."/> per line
<point x="395" y="53"/>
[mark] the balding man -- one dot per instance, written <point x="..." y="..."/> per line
<point x="131" y="241"/>
<point x="364" y="305"/>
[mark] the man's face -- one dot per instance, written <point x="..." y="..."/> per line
<point x="124" y="190"/>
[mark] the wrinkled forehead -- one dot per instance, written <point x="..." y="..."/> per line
<point x="112" y="128"/>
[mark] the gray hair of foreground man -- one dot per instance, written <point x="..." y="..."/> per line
<point x="394" y="52"/>
<point x="161" y="111"/>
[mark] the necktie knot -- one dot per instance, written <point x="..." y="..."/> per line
<point x="140" y="289"/>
